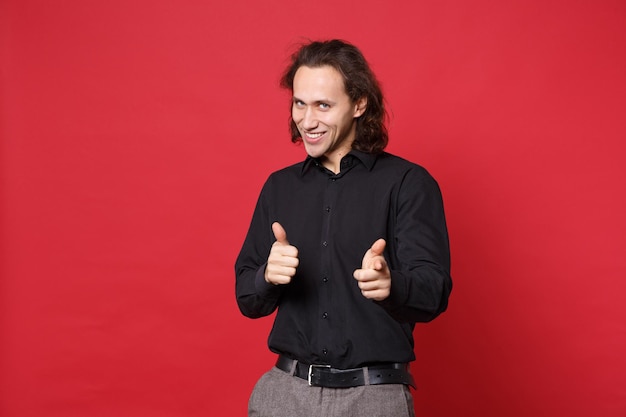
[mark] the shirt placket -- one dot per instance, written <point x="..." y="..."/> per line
<point x="325" y="310"/>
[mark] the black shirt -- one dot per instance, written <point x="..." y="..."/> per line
<point x="333" y="219"/>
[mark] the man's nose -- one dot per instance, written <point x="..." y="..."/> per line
<point x="309" y="121"/>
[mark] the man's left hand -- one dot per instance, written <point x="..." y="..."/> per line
<point x="374" y="276"/>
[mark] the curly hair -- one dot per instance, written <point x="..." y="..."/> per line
<point x="359" y="82"/>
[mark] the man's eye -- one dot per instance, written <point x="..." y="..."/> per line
<point x="324" y="106"/>
<point x="298" y="103"/>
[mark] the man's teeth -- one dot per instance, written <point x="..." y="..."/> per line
<point x="314" y="135"/>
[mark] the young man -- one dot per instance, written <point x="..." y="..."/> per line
<point x="349" y="245"/>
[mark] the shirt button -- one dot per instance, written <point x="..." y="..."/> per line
<point x="325" y="279"/>
<point x="324" y="243"/>
<point x="325" y="352"/>
<point x="325" y="315"/>
<point x="327" y="209"/>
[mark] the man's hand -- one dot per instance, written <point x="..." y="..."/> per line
<point x="374" y="276"/>
<point x="283" y="258"/>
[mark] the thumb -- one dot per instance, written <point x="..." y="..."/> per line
<point x="370" y="260"/>
<point x="378" y="247"/>
<point x="279" y="233"/>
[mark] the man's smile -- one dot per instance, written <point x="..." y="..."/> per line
<point x="313" y="137"/>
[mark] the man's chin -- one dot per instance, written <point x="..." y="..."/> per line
<point x="312" y="151"/>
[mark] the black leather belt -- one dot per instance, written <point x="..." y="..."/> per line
<point x="325" y="376"/>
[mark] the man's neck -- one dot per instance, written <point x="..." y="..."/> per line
<point x="334" y="166"/>
<point x="332" y="161"/>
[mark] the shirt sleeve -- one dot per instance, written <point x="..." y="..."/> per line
<point x="256" y="297"/>
<point x="418" y="252"/>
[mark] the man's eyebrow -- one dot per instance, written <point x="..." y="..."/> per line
<point x="325" y="101"/>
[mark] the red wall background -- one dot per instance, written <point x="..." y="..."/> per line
<point x="135" y="137"/>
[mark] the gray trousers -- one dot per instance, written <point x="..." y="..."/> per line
<point x="278" y="394"/>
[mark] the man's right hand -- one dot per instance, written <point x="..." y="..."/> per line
<point x="283" y="259"/>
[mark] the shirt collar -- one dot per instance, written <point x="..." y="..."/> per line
<point x="366" y="159"/>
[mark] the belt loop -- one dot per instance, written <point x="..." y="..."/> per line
<point x="294" y="365"/>
<point x="366" y="375"/>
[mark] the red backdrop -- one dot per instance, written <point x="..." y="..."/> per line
<point x="135" y="137"/>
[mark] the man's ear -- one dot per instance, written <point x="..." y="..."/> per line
<point x="360" y="107"/>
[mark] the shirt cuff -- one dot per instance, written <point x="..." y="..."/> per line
<point x="263" y="287"/>
<point x="398" y="294"/>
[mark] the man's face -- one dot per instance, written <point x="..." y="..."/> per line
<point x="324" y="114"/>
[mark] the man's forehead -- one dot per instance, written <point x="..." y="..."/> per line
<point x="318" y="81"/>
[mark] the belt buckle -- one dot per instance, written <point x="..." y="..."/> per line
<point x="311" y="371"/>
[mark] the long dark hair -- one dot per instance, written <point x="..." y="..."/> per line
<point x="359" y="81"/>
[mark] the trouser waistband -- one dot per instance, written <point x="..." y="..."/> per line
<point x="325" y="376"/>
